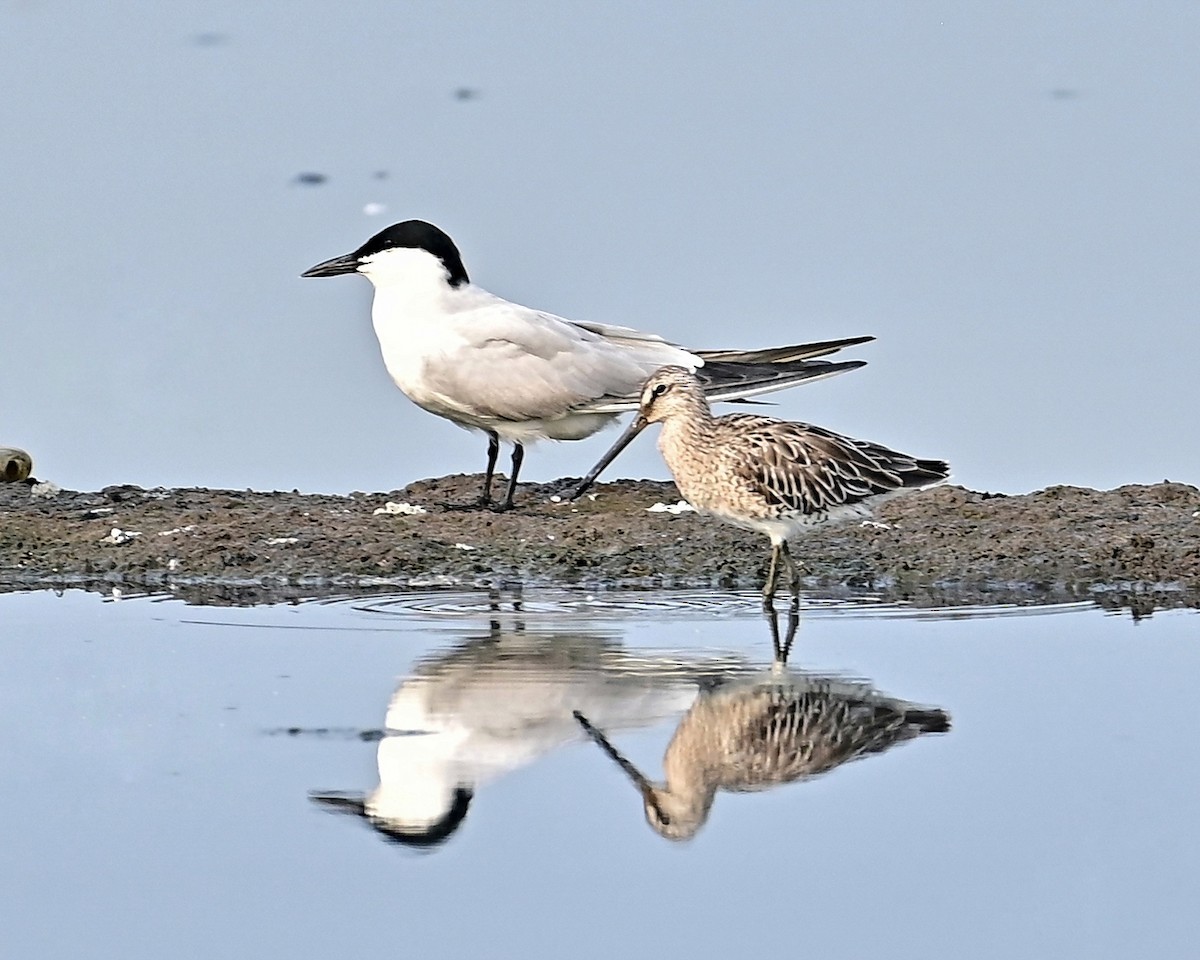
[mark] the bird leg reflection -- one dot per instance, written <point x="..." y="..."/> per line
<point x="782" y="649"/>
<point x="496" y="607"/>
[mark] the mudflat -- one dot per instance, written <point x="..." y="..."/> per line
<point x="1135" y="546"/>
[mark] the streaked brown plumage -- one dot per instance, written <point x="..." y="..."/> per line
<point x="772" y="476"/>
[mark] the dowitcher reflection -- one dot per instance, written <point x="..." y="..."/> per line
<point x="499" y="701"/>
<point x="771" y="476"/>
<point x="755" y="732"/>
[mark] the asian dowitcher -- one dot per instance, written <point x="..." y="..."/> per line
<point x="519" y="374"/>
<point x="772" y="476"/>
<point x="751" y="734"/>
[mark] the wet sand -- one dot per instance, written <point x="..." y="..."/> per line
<point x="1136" y="546"/>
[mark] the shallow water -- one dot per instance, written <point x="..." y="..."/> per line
<point x="162" y="761"/>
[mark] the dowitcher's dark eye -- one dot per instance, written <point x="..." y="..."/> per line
<point x="660" y="389"/>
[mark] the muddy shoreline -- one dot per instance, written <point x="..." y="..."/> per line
<point x="1137" y="546"/>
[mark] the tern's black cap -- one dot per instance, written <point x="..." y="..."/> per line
<point x="413" y="234"/>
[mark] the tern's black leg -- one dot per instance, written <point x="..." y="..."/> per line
<point x="517" y="456"/>
<point x="485" y="498"/>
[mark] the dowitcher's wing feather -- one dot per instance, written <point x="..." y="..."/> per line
<point x="812" y="470"/>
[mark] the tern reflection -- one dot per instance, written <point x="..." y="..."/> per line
<point x="497" y="702"/>
<point x="755" y="732"/>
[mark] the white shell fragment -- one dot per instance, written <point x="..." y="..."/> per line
<point x="119" y="536"/>
<point x="399" y="509"/>
<point x="676" y="508"/>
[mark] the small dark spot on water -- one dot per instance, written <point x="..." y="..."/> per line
<point x="336" y="733"/>
<point x="1064" y="93"/>
<point x="310" y="179"/>
<point x="210" y="38"/>
<point x="379" y="175"/>
<point x="466" y="93"/>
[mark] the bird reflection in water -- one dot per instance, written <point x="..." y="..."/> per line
<point x="752" y="733"/>
<point x="499" y="701"/>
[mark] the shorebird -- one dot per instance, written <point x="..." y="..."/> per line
<point x="520" y="374"/>
<point x="500" y="701"/>
<point x="771" y="476"/>
<point x="751" y="734"/>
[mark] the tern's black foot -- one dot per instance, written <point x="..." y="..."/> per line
<point x="471" y="506"/>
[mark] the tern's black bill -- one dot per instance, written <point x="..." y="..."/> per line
<point x="334" y="267"/>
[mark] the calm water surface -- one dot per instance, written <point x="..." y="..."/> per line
<point x="403" y="776"/>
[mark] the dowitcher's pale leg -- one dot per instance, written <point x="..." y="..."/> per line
<point x="780" y="551"/>
<point x="795" y="570"/>
<point x="772" y="575"/>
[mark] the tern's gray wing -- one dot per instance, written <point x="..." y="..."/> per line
<point x="520" y="365"/>
<point x="621" y="335"/>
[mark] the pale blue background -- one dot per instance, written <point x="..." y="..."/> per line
<point x="1004" y="193"/>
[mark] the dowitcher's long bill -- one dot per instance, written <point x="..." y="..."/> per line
<point x="647" y="789"/>
<point x="518" y="374"/>
<point x="772" y="476"/>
